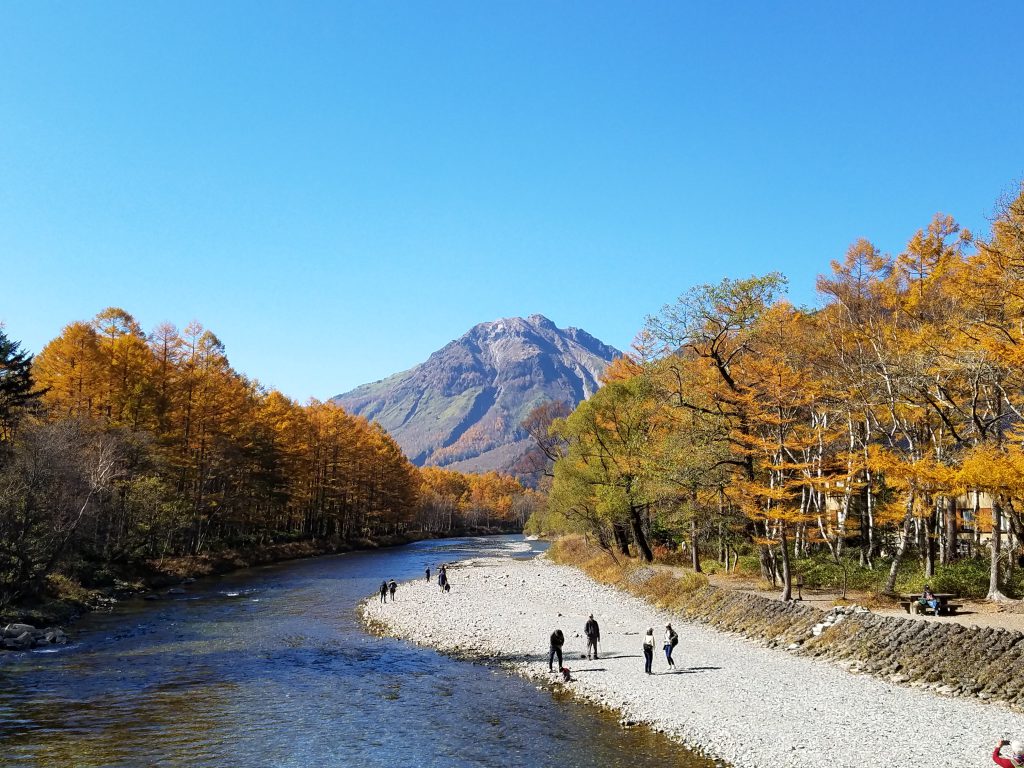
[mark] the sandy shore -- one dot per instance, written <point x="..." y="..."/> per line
<point x="728" y="697"/>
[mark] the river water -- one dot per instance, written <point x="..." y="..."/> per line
<point x="271" y="667"/>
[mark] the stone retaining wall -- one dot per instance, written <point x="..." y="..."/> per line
<point x="949" y="658"/>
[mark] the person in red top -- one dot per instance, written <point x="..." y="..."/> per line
<point x="1016" y="758"/>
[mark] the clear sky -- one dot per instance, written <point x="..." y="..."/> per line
<point x="338" y="189"/>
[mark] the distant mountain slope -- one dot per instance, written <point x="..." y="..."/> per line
<point x="463" y="406"/>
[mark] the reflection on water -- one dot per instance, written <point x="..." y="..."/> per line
<point x="269" y="667"/>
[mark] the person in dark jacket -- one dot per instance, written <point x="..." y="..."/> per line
<point x="593" y="633"/>
<point x="428" y="574"/>
<point x="383" y="591"/>
<point x="557" y="641"/>
<point x="392" y="586"/>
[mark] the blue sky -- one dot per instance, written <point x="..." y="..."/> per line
<point x="338" y="189"/>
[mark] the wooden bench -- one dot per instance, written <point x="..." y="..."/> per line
<point x="945" y="608"/>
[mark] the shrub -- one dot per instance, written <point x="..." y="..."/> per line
<point x="711" y="567"/>
<point x="823" y="572"/>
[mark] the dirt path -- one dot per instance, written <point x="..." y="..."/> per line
<point x="974" y="613"/>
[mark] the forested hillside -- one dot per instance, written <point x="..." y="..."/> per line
<point x="121" y="450"/>
<point x="884" y="425"/>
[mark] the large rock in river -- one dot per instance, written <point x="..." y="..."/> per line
<point x="16" y="630"/>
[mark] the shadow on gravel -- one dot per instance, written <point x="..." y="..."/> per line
<point x="521" y="658"/>
<point x="621" y="656"/>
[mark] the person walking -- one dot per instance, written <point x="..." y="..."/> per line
<point x="442" y="580"/>
<point x="555" y="649"/>
<point x="383" y="591"/>
<point x="428" y="574"/>
<point x="593" y="633"/>
<point x="648" y="650"/>
<point x="1016" y="758"/>
<point x="671" y="640"/>
<point x="392" y="586"/>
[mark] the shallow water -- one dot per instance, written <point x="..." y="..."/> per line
<point x="270" y="667"/>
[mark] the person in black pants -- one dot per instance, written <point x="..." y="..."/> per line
<point x="593" y="633"/>
<point x="648" y="650"/>
<point x="383" y="591"/>
<point x="557" y="641"/>
<point x="428" y="574"/>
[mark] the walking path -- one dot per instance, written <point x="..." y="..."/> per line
<point x="974" y="613"/>
<point x="729" y="697"/>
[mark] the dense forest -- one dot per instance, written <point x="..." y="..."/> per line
<point x="121" y="450"/>
<point x="882" y="425"/>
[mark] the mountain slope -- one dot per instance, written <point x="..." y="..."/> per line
<point x="462" y="407"/>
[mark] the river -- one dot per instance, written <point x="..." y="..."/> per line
<point x="271" y="667"/>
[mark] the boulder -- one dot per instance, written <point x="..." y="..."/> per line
<point x="23" y="642"/>
<point x="16" y="630"/>
<point x="55" y="636"/>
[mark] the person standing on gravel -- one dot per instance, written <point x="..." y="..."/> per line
<point x="1016" y="758"/>
<point x="648" y="650"/>
<point x="383" y="591"/>
<point x="428" y="574"/>
<point x="593" y="633"/>
<point x="555" y="649"/>
<point x="671" y="640"/>
<point x="392" y="586"/>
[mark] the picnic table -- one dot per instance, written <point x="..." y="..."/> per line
<point x="911" y="603"/>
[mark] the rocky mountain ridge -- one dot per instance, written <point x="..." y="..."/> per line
<point x="462" y="407"/>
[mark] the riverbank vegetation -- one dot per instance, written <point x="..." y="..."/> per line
<point x="878" y="431"/>
<point x="124" y="454"/>
<point x="664" y="588"/>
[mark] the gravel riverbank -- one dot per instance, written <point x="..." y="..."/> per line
<point x="729" y="697"/>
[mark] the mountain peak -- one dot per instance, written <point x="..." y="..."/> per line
<point x="462" y="407"/>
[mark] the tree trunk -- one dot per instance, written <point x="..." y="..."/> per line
<point x="996" y="546"/>
<point x="908" y="520"/>
<point x="1013" y="517"/>
<point x="787" y="578"/>
<point x="767" y="563"/>
<point x="869" y="506"/>
<point x="949" y="553"/>
<point x="929" y="543"/>
<point x="694" y="552"/>
<point x="638" y="533"/>
<point x="621" y="538"/>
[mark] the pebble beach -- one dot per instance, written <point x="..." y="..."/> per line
<point x="727" y="697"/>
